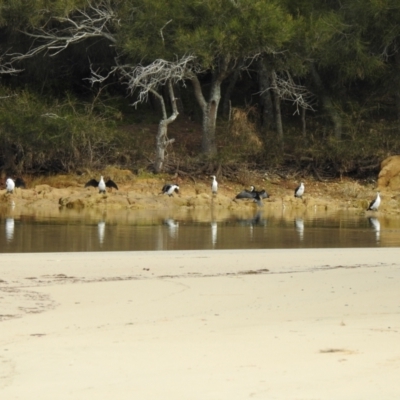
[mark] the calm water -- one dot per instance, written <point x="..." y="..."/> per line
<point x="181" y="230"/>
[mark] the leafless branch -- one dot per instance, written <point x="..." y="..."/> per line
<point x="51" y="115"/>
<point x="95" y="22"/>
<point x="6" y="68"/>
<point x="285" y="87"/>
<point x="156" y="74"/>
<point x="161" y="30"/>
<point x="147" y="79"/>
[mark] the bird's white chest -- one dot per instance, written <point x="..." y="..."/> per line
<point x="300" y="191"/>
<point x="102" y="185"/>
<point x="377" y="203"/>
<point x="10" y="185"/>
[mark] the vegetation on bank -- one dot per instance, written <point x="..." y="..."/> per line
<point x="302" y="84"/>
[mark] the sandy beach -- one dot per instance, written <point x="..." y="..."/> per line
<point x="260" y="324"/>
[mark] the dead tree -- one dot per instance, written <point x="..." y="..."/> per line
<point x="283" y="87"/>
<point x="93" y="22"/>
<point x="150" y="79"/>
<point x="98" y="21"/>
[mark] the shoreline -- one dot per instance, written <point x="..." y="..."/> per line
<point x="143" y="194"/>
<point x="209" y="324"/>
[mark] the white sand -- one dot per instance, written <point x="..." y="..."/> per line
<point x="320" y="324"/>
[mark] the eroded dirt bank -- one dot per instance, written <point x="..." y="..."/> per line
<point x="51" y="194"/>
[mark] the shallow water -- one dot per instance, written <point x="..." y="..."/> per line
<point x="96" y="230"/>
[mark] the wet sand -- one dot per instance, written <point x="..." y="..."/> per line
<point x="260" y="324"/>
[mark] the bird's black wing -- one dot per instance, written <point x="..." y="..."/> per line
<point x="258" y="200"/>
<point x="245" y="194"/>
<point x="165" y="188"/>
<point x="111" y="184"/>
<point x="20" y="183"/>
<point x="370" y="205"/>
<point x="263" y="194"/>
<point x="92" y="182"/>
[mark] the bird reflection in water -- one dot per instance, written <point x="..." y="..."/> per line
<point x="9" y="229"/>
<point x="101" y="229"/>
<point x="214" y="231"/>
<point x="299" y="224"/>
<point x="376" y="226"/>
<point x="256" y="220"/>
<point x="173" y="227"/>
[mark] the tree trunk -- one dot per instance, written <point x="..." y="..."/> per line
<point x="278" y="113"/>
<point x="303" y="122"/>
<point x="226" y="102"/>
<point x="327" y="103"/>
<point x="162" y="140"/>
<point x="210" y="111"/>
<point x="265" y="97"/>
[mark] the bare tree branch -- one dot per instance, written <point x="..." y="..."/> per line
<point x="94" y="22"/>
<point x="6" y="68"/>
<point x="288" y="90"/>
<point x="161" y="30"/>
<point x="148" y="79"/>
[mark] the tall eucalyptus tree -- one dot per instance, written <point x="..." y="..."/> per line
<point x="219" y="34"/>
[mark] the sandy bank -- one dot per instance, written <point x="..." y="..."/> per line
<point x="264" y="324"/>
<point x="68" y="192"/>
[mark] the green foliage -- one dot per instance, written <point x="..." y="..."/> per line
<point x="52" y="124"/>
<point x="208" y="29"/>
<point x="38" y="135"/>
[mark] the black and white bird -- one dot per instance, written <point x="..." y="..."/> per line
<point x="374" y="205"/>
<point x="246" y="194"/>
<point x="169" y="189"/>
<point x="10" y="185"/>
<point x="299" y="191"/>
<point x="214" y="185"/>
<point x="102" y="185"/>
<point x="252" y="193"/>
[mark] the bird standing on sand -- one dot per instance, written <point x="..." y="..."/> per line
<point x="10" y="185"/>
<point x="102" y="185"/>
<point x="299" y="191"/>
<point x="374" y="205"/>
<point x="169" y="189"/>
<point x="214" y="185"/>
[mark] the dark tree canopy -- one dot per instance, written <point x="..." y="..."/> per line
<point x="309" y="70"/>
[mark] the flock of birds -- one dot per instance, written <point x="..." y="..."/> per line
<point x="258" y="195"/>
<point x="170" y="189"/>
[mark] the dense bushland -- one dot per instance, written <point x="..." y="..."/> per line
<point x="303" y="85"/>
